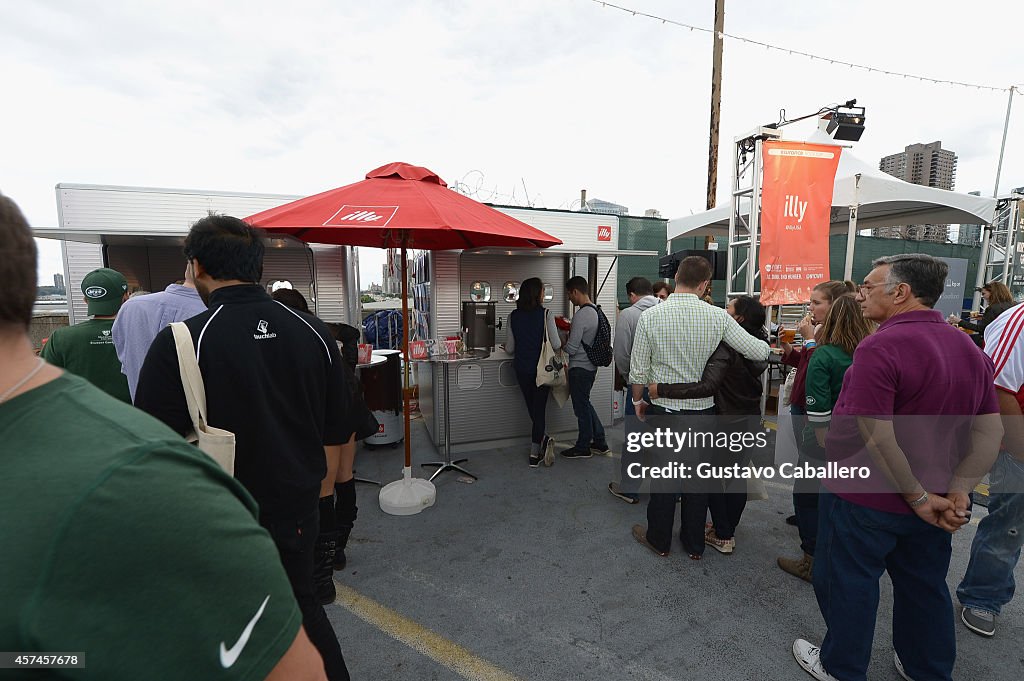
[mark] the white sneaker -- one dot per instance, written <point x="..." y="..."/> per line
<point x="549" y="450"/>
<point x="808" y="657"/>
<point x="899" y="666"/>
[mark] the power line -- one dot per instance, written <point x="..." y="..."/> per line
<point x="830" y="60"/>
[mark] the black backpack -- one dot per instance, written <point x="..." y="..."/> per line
<point x="600" y="353"/>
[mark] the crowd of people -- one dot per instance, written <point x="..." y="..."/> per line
<point x="871" y="354"/>
<point x="242" y="600"/>
<point x="254" y="552"/>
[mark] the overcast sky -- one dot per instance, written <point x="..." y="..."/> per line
<point x="527" y="102"/>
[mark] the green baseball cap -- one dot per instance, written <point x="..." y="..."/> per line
<point x="104" y="291"/>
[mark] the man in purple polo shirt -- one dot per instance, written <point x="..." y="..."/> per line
<point x="918" y="408"/>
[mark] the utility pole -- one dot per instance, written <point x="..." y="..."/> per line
<point x="716" y="107"/>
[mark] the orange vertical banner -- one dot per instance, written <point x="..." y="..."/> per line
<point x="796" y="205"/>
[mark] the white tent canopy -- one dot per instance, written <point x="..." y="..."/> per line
<point x="883" y="201"/>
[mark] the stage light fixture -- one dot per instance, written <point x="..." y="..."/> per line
<point x="847" y="122"/>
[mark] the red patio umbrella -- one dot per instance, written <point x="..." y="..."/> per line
<point x="400" y="206"/>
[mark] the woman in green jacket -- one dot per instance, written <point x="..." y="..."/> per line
<point x="843" y="330"/>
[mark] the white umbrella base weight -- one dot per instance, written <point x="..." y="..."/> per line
<point x="407" y="496"/>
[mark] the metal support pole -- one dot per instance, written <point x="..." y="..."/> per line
<point x="851" y="241"/>
<point x="753" y="267"/>
<point x="1011" y="240"/>
<point x="405" y="350"/>
<point x="851" y="235"/>
<point x="983" y="264"/>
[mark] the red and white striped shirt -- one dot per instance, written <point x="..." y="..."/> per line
<point x="1004" y="343"/>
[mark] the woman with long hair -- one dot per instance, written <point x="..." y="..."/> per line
<point x="735" y="383"/>
<point x="527" y="326"/>
<point x="843" y="330"/>
<point x="998" y="300"/>
<point x="821" y="302"/>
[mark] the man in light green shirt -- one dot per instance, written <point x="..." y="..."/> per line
<point x="673" y="343"/>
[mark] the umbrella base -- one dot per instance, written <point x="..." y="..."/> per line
<point x="407" y="496"/>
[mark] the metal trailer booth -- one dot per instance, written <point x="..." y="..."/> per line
<point x="484" y="398"/>
<point x="140" y="232"/>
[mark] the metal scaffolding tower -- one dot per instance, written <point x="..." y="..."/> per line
<point x="742" y="270"/>
<point x="1004" y="239"/>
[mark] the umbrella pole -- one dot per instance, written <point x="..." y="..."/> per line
<point x="409" y="495"/>
<point x="405" y="353"/>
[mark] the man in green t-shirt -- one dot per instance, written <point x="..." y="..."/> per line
<point x="124" y="546"/>
<point x="87" y="349"/>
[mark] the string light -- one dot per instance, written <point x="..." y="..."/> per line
<point x="812" y="57"/>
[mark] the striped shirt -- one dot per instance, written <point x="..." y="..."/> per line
<point x="675" y="339"/>
<point x="1004" y="345"/>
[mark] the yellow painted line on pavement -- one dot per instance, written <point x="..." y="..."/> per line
<point x="419" y="638"/>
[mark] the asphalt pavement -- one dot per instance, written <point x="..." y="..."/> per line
<point x="532" y="574"/>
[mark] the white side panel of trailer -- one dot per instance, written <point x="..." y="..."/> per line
<point x="79" y="260"/>
<point x="136" y="210"/>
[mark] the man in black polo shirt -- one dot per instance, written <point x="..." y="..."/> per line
<point x="274" y="378"/>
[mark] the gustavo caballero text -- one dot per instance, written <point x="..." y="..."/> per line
<point x="707" y="471"/>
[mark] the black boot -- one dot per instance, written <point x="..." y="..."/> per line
<point x="345" y="510"/>
<point x="323" y="552"/>
<point x="323" y="560"/>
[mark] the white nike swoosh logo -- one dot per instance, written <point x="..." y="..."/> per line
<point x="228" y="656"/>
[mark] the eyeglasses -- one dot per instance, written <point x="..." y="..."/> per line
<point x="866" y="287"/>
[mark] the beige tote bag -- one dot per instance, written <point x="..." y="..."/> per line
<point x="218" y="444"/>
<point x="551" y="368"/>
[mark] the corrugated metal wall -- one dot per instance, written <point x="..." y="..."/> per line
<point x="496" y="410"/>
<point x="79" y="260"/>
<point x="333" y="273"/>
<point x="445" y="312"/>
<point x="133" y="210"/>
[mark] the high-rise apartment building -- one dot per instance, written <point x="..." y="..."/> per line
<point x="58" y="281"/>
<point x="925" y="164"/>
<point x="970" y="235"/>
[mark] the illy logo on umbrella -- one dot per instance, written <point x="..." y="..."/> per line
<point x="362" y="215"/>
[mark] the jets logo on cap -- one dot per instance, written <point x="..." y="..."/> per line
<point x="95" y="292"/>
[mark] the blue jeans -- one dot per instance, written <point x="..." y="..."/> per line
<point x="581" y="382"/>
<point x="856" y="545"/>
<point x="988" y="583"/>
<point x="536" y="399"/>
